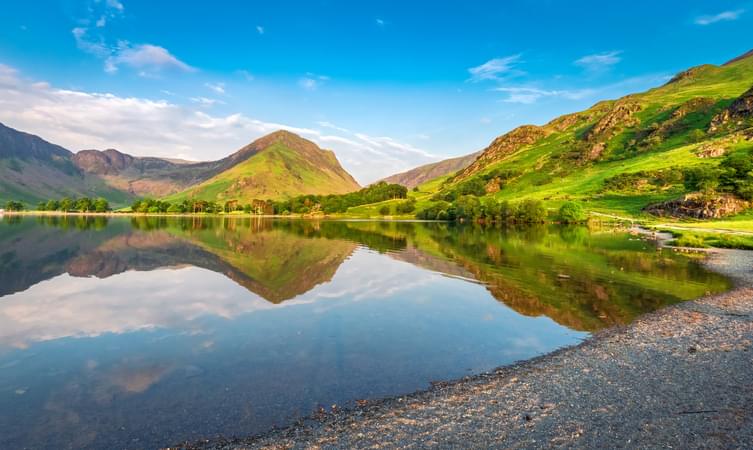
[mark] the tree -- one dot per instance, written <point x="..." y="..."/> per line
<point x="52" y="205"/>
<point x="406" y="207"/>
<point x="14" y="206"/>
<point x="572" y="212"/>
<point x="531" y="211"/>
<point x="384" y="210"/>
<point x="507" y="211"/>
<point x="66" y="204"/>
<point x="101" y="205"/>
<point x="41" y="206"/>
<point x="84" y="204"/>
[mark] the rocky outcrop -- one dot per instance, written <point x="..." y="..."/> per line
<point x="699" y="206"/>
<point x="108" y="162"/>
<point x="504" y="146"/>
<point x="711" y="150"/>
<point x="620" y="116"/>
<point x="739" y="111"/>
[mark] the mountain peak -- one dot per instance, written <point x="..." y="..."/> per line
<point x="745" y="55"/>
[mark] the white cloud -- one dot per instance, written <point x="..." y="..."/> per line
<point x="380" y="22"/>
<point x="331" y="125"/>
<point x="101" y="22"/>
<point x="494" y="69"/>
<point x="147" y="127"/>
<point x="260" y="29"/>
<point x="219" y="88"/>
<point x="204" y="101"/>
<point x="115" y="4"/>
<point x="724" y="16"/>
<point x="599" y="61"/>
<point x="312" y="81"/>
<point x="529" y="95"/>
<point x="148" y="59"/>
<point x="96" y="48"/>
<point x="309" y="84"/>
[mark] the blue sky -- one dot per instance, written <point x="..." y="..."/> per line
<point x="387" y="85"/>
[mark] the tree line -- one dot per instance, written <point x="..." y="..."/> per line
<point x="330" y="204"/>
<point x="469" y="208"/>
<point x="66" y="204"/>
<point x="150" y="205"/>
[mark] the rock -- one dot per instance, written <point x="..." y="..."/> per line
<point x="711" y="150"/>
<point x="699" y="206"/>
<point x="596" y="150"/>
<point x="620" y="116"/>
<point x="740" y="110"/>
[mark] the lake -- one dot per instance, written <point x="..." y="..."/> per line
<point x="143" y="332"/>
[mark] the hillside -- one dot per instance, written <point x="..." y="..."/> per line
<point x="32" y="170"/>
<point x="276" y="166"/>
<point x="146" y="176"/>
<point x="620" y="156"/>
<point x="422" y="174"/>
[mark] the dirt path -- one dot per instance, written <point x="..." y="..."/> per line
<point x="678" y="378"/>
<point x="704" y="230"/>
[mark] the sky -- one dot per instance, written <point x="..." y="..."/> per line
<point x="387" y="85"/>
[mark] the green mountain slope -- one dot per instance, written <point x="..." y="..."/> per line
<point x="277" y="166"/>
<point x="33" y="170"/>
<point x="421" y="174"/>
<point x="620" y="155"/>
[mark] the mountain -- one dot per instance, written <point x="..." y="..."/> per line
<point x="274" y="166"/>
<point x="145" y="176"/>
<point x="620" y="156"/>
<point x="279" y="165"/>
<point x="422" y="174"/>
<point x="32" y="170"/>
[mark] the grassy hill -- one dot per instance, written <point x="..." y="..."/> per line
<point x="277" y="166"/>
<point x="421" y="174"/>
<point x="620" y="155"/>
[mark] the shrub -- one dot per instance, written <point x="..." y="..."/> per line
<point x="406" y="207"/>
<point x="384" y="210"/>
<point x="572" y="212"/>
<point x="531" y="211"/>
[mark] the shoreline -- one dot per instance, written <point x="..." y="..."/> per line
<point x="676" y="377"/>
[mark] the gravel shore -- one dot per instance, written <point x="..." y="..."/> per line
<point x="681" y="377"/>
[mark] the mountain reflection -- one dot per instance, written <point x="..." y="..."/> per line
<point x="583" y="279"/>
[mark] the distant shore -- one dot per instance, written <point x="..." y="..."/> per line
<point x="211" y="215"/>
<point x="679" y="377"/>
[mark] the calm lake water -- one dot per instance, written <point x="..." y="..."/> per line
<point x="142" y="332"/>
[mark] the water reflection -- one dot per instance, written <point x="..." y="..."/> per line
<point x="140" y="332"/>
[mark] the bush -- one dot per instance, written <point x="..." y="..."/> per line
<point x="531" y="211"/>
<point x="406" y="207"/>
<point x="384" y="210"/>
<point x="572" y="212"/>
